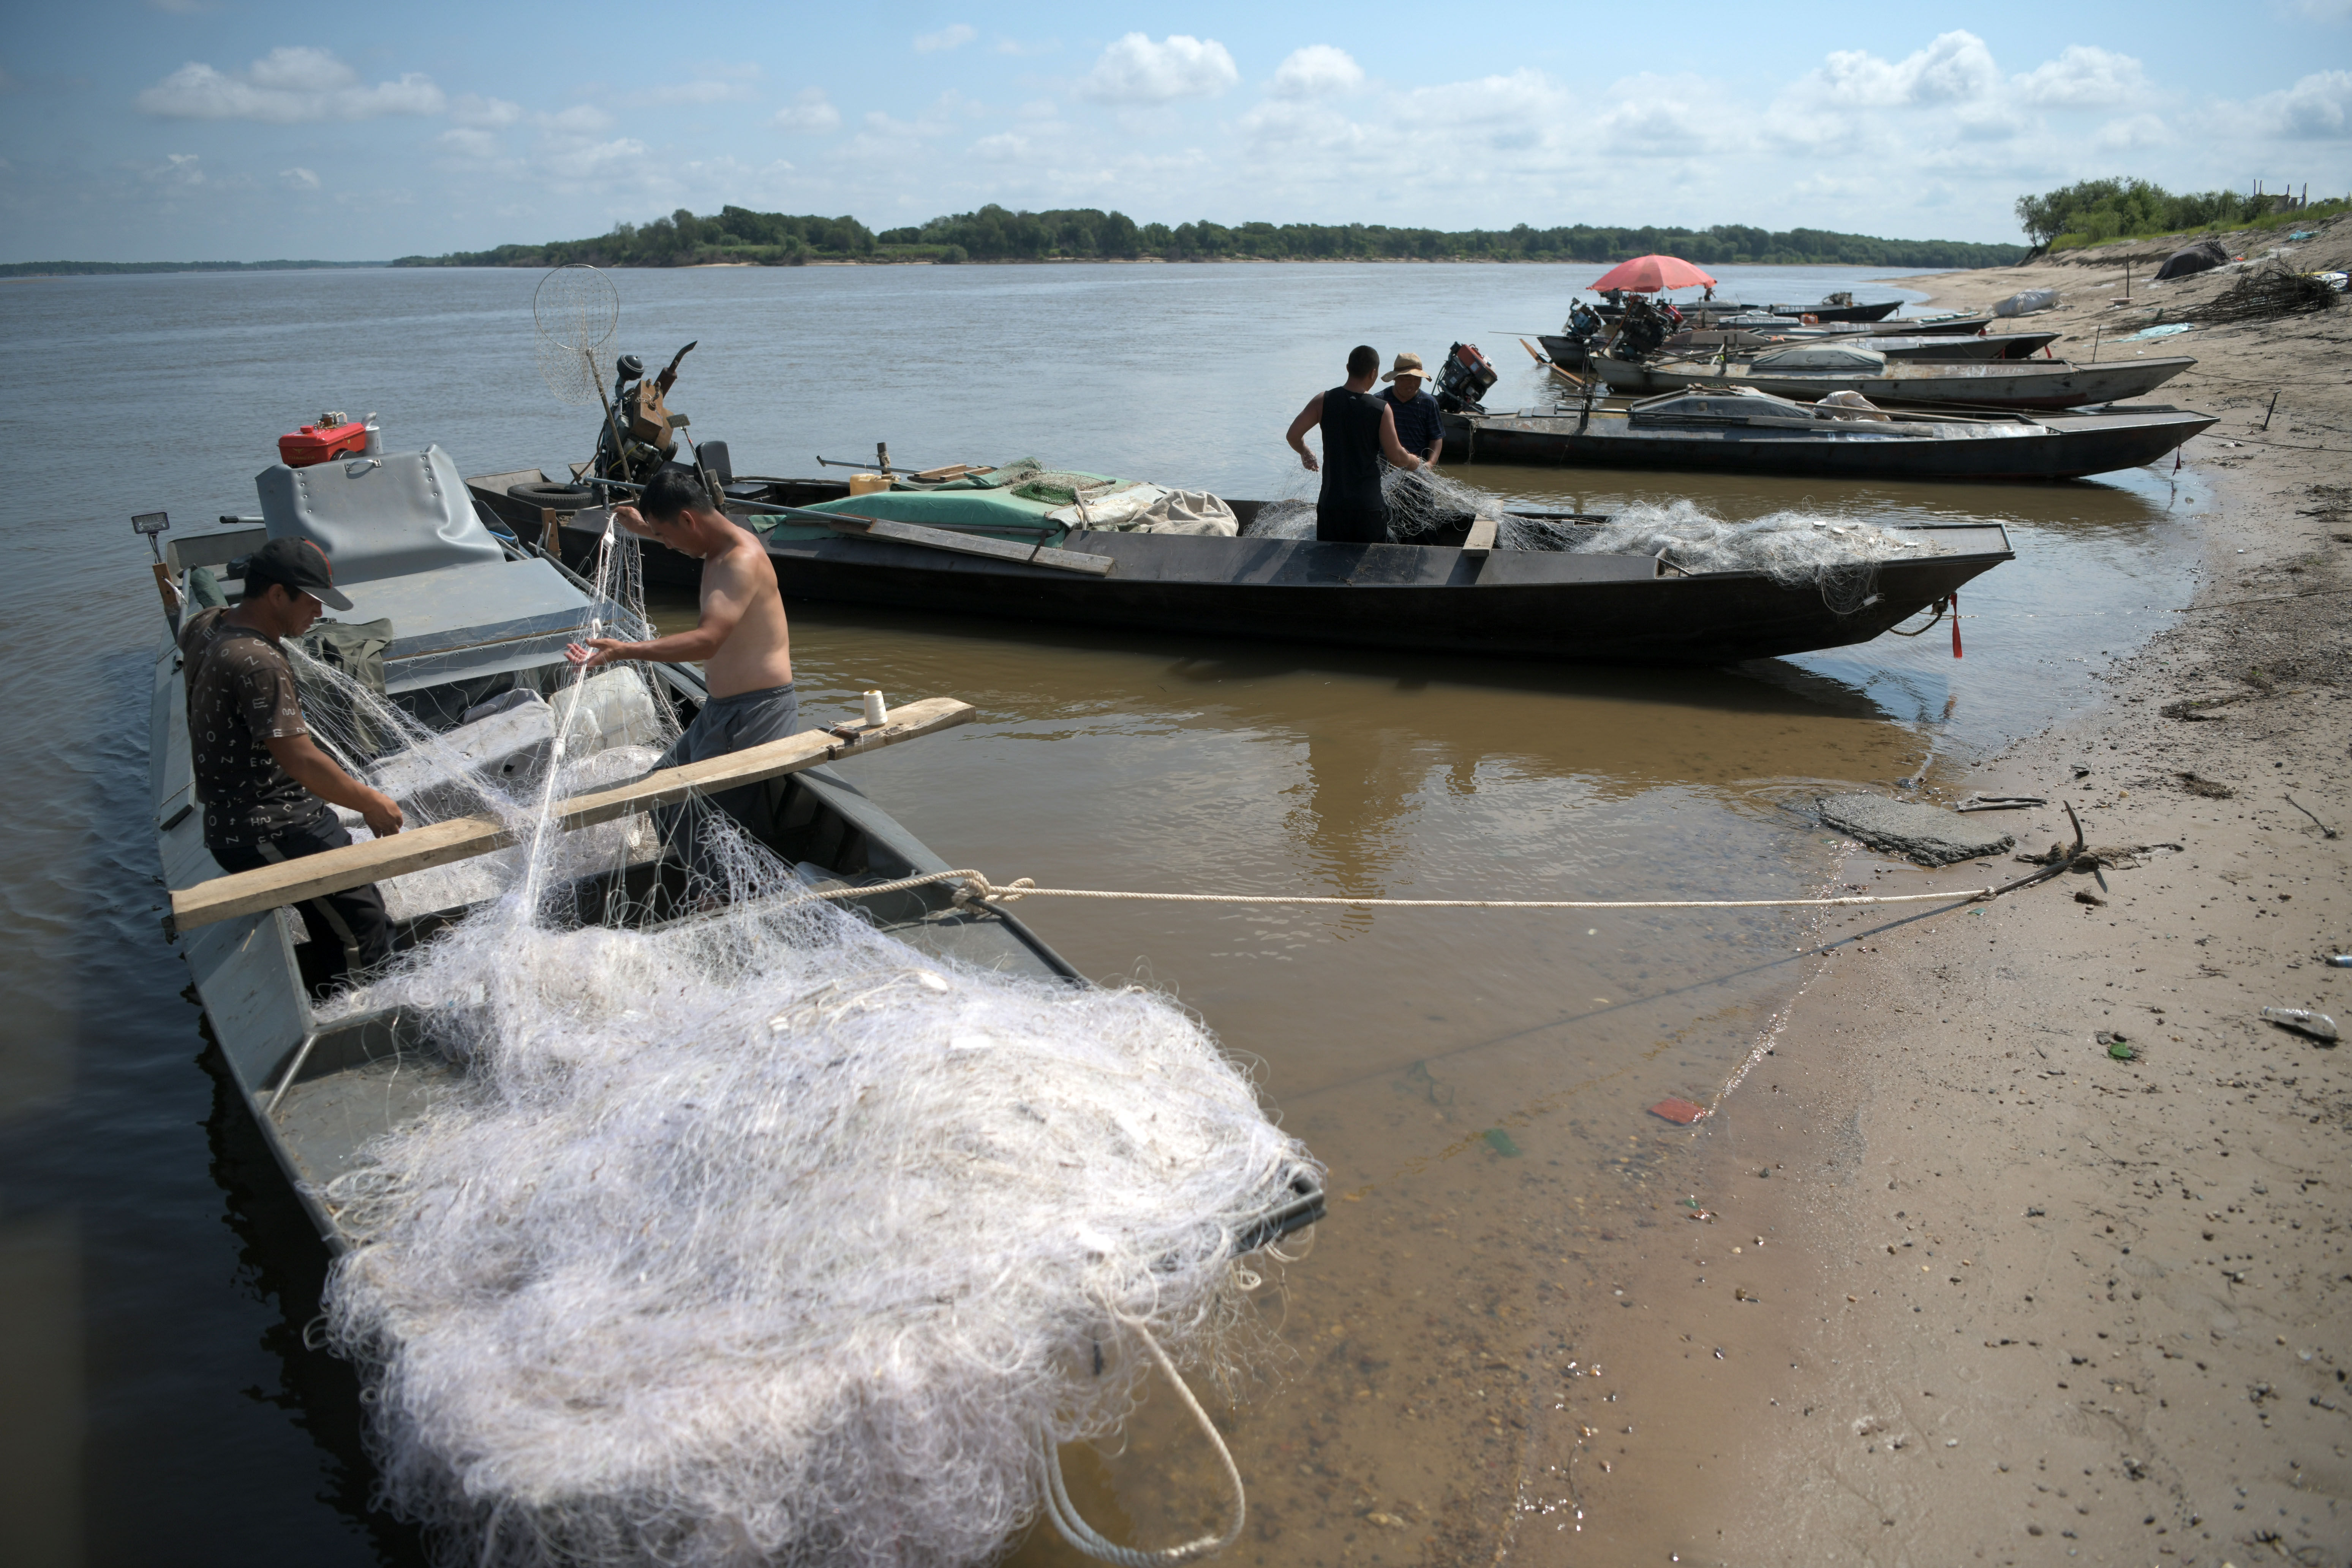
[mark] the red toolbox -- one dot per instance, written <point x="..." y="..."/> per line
<point x="333" y="437"/>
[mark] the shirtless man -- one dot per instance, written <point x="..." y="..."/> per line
<point x="742" y="641"/>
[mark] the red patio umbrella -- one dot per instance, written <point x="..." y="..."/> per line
<point x="1649" y="274"/>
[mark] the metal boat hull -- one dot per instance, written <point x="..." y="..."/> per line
<point x="2055" y="446"/>
<point x="2000" y="383"/>
<point x="1544" y="604"/>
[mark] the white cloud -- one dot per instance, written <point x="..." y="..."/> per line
<point x="2083" y="77"/>
<point x="702" y="91"/>
<point x="298" y="179"/>
<point x="599" y="161"/>
<point x="2317" y="108"/>
<point x="952" y="38"/>
<point x="469" y="141"/>
<point x="1137" y="70"/>
<point x="1315" y="70"/>
<point x="809" y="111"/>
<point x="296" y="84"/>
<point x="2133" y="133"/>
<point x="470" y="109"/>
<point x="581" y="121"/>
<point x="176" y="169"/>
<point x="1954" y="69"/>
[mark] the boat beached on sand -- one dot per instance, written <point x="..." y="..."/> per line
<point x="1734" y="430"/>
<point x="620" y="1443"/>
<point x="1808" y="370"/>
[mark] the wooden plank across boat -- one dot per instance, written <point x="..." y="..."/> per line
<point x="1438" y="597"/>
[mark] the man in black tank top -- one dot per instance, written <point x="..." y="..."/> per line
<point x="1358" y="430"/>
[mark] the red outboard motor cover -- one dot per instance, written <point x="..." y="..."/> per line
<point x="317" y="443"/>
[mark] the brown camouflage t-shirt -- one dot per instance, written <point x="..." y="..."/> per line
<point x="241" y="694"/>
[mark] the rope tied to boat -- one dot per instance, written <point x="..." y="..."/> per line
<point x="974" y="888"/>
<point x="1074" y="1529"/>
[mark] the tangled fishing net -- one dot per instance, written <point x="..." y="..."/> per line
<point x="1840" y="555"/>
<point x="2265" y="294"/>
<point x="760" y="1236"/>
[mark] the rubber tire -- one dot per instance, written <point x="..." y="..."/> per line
<point x="554" y="498"/>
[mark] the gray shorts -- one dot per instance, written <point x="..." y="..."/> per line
<point x="733" y="723"/>
<point x="728" y="724"/>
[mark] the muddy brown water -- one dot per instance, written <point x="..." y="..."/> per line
<point x="1477" y="1081"/>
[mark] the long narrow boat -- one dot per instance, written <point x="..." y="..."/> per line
<point x="1452" y="598"/>
<point x="477" y="614"/>
<point x="2003" y="383"/>
<point x="1722" y="432"/>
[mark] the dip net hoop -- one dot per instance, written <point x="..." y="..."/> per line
<point x="576" y="310"/>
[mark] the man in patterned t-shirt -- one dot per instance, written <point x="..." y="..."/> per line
<point x="265" y="784"/>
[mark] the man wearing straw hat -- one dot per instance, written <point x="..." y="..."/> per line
<point x="1419" y="426"/>
<point x="1358" y="432"/>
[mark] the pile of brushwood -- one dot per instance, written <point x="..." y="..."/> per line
<point x="2266" y="294"/>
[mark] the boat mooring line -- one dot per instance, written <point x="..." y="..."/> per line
<point x="976" y="887"/>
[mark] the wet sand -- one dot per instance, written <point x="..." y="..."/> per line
<point x="1971" y="1288"/>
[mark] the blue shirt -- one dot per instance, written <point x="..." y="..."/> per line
<point x="1419" y="424"/>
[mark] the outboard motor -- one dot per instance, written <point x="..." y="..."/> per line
<point x="648" y="432"/>
<point x="1464" y="380"/>
<point x="1645" y="329"/>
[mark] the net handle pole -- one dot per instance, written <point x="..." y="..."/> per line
<point x="612" y="421"/>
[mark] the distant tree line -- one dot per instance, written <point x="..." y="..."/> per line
<point x="997" y="233"/>
<point x="2090" y="211"/>
<point x="682" y="239"/>
<point x="87" y="268"/>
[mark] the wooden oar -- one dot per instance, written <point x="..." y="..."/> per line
<point x="355" y="865"/>
<point x="1549" y="364"/>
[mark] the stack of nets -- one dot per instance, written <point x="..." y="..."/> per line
<point x="761" y="1237"/>
<point x="2265" y="294"/>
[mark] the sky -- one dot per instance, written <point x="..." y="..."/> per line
<point x="175" y="130"/>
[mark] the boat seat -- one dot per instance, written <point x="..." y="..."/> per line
<point x="387" y="516"/>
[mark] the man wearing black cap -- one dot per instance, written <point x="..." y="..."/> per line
<point x="265" y="784"/>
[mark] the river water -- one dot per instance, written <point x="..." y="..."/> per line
<point x="1477" y="1079"/>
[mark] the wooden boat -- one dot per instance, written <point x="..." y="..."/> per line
<point x="1828" y="312"/>
<point x="1996" y="384"/>
<point x="1462" y="596"/>
<point x="1836" y="307"/>
<point x="1720" y="432"/>
<point x="474" y="614"/>
<point x="1705" y="342"/>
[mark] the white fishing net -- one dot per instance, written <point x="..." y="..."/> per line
<point x="1840" y="555"/>
<point x="759" y="1236"/>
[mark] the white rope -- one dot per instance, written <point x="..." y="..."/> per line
<point x="1085" y="1538"/>
<point x="976" y="886"/>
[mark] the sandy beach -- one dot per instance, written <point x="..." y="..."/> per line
<point x="1967" y="1286"/>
